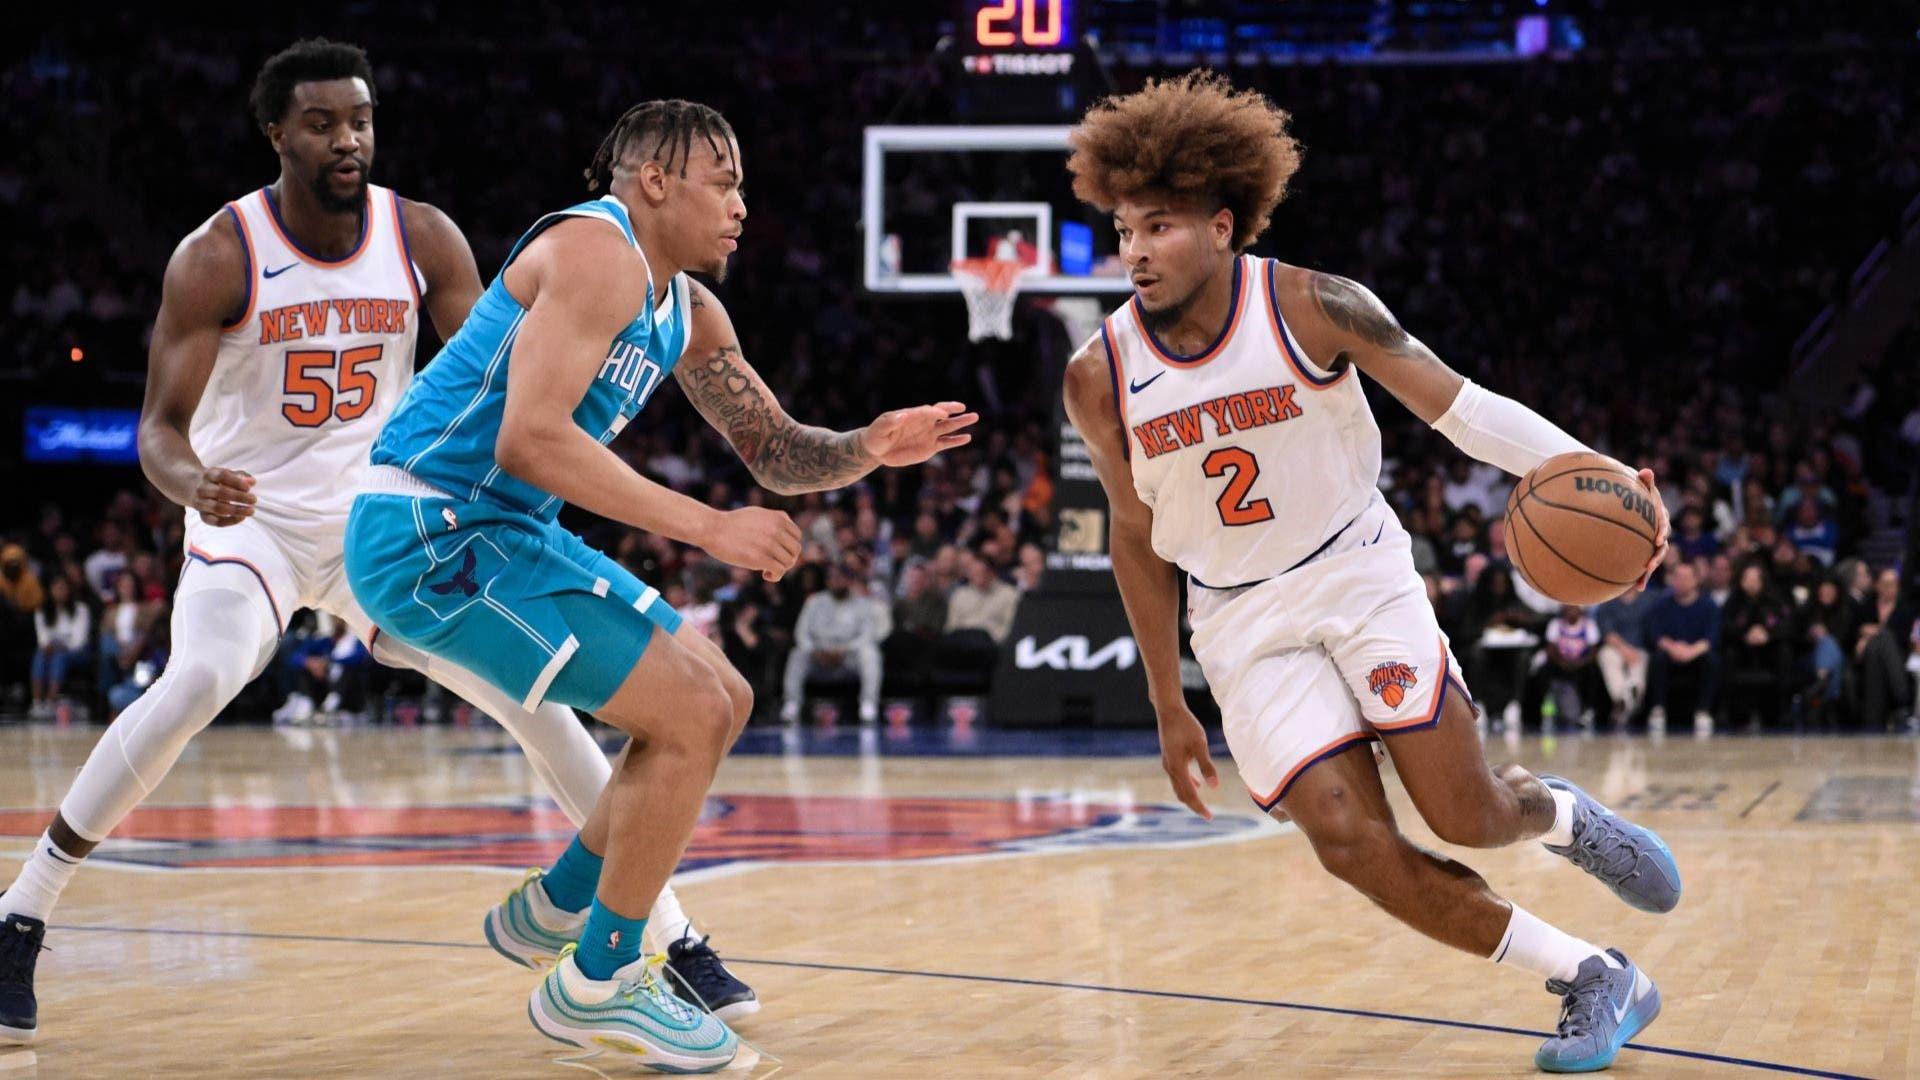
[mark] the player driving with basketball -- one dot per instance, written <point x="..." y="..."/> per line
<point x="1222" y="412"/>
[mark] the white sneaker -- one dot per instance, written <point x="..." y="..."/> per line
<point x="1657" y="718"/>
<point x="789" y="712"/>
<point x="297" y="710"/>
<point x="630" y="1014"/>
<point x="1703" y="723"/>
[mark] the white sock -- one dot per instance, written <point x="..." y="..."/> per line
<point x="666" y="923"/>
<point x="1562" y="832"/>
<point x="42" y="877"/>
<point x="1547" y="951"/>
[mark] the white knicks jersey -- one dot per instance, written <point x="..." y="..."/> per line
<point x="306" y="376"/>
<point x="1250" y="457"/>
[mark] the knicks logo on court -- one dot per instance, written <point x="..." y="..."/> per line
<point x="734" y="831"/>
<point x="1390" y="682"/>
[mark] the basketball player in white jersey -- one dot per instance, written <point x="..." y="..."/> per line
<point x="1224" y="417"/>
<point x="285" y="337"/>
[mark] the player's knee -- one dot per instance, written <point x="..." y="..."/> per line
<point x="1357" y="851"/>
<point x="204" y="685"/>
<point x="702" y="727"/>
<point x="740" y="697"/>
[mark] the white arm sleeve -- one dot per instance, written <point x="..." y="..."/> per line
<point x="1501" y="431"/>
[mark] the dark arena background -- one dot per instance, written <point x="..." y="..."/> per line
<point x="1687" y="233"/>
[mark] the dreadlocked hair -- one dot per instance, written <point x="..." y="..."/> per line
<point x="662" y="131"/>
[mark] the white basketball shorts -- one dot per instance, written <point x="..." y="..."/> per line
<point x="298" y="563"/>
<point x="1334" y="652"/>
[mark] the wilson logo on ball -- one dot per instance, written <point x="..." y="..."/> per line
<point x="1390" y="682"/>
<point x="1631" y="500"/>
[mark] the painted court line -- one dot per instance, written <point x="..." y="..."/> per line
<point x="1004" y="980"/>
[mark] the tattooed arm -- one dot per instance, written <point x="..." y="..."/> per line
<point x="783" y="454"/>
<point x="1339" y="322"/>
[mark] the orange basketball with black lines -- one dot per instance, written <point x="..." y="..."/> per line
<point x="1580" y="528"/>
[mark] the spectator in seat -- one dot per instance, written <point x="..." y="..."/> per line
<point x="129" y="657"/>
<point x="1880" y="654"/>
<point x="1501" y="628"/>
<point x="838" y="630"/>
<point x="1685" y="630"/>
<point x="62" y="628"/>
<point x="919" y="618"/>
<point x="747" y="638"/>
<point x="1719" y="576"/>
<point x="1691" y="537"/>
<point x="104" y="566"/>
<point x="1756" y="647"/>
<point x="979" y="618"/>
<point x="1623" y="654"/>
<point x="1813" y="531"/>
<point x="20" y="597"/>
<point x="1568" y="674"/>
<point x="1827" y="625"/>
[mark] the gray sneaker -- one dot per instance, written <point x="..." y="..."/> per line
<point x="1599" y="1011"/>
<point x="1632" y="860"/>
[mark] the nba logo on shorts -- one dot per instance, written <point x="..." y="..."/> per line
<point x="1390" y="682"/>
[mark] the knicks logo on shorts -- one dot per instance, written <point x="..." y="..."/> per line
<point x="1390" y="682"/>
<point x="734" y="831"/>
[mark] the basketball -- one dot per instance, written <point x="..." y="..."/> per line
<point x="1580" y="528"/>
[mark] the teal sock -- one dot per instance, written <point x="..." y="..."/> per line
<point x="609" y="942"/>
<point x="573" y="878"/>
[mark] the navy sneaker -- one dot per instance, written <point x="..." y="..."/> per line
<point x="21" y="940"/>
<point x="1630" y="859"/>
<point x="1600" y="1010"/>
<point x="697" y="976"/>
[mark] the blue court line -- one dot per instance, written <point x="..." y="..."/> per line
<point x="1005" y="980"/>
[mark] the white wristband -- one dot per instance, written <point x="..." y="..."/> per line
<point x="1501" y="431"/>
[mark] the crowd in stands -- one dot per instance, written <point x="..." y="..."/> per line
<point x="1628" y="242"/>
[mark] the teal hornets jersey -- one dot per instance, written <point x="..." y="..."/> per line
<point x="443" y="431"/>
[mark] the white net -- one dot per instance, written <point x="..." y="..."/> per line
<point x="990" y="287"/>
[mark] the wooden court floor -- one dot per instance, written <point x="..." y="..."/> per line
<point x="307" y="904"/>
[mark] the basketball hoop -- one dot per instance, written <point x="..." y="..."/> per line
<point x="990" y="287"/>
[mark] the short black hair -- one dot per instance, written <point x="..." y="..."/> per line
<point x="308" y="60"/>
<point x="666" y="129"/>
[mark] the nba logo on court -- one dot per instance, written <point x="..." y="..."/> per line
<point x="1390" y="682"/>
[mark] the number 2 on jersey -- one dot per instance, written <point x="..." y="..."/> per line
<point x="1245" y="469"/>
<point x="311" y="399"/>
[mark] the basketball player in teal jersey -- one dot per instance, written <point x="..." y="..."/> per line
<point x="453" y="548"/>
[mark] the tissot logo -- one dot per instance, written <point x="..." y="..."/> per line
<point x="1074" y="653"/>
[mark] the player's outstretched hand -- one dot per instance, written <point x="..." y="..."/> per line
<point x="758" y="539"/>
<point x="911" y="436"/>
<point x="224" y="497"/>
<point x="1183" y="745"/>
<point x="1663" y="528"/>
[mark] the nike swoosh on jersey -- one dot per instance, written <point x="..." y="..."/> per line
<point x="1134" y="387"/>
<point x="270" y="272"/>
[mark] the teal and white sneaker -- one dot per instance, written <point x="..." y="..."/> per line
<point x="630" y="1013"/>
<point x="527" y="929"/>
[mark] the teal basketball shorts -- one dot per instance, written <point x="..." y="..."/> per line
<point x="523" y="603"/>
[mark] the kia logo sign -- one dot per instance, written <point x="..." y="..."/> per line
<point x="1072" y="653"/>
